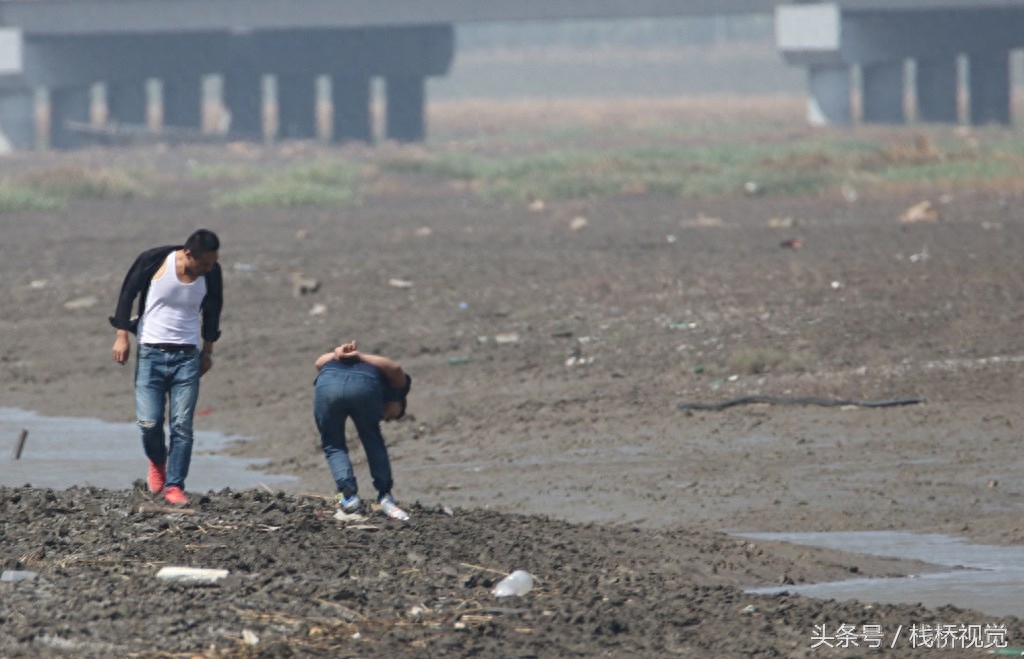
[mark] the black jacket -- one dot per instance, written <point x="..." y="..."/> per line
<point x="136" y="284"/>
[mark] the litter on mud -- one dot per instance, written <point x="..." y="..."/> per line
<point x="191" y="574"/>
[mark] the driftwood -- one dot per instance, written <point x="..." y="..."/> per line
<point x="776" y="400"/>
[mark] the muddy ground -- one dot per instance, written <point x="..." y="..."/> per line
<point x="543" y="431"/>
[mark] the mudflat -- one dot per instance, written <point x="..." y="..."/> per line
<point x="551" y="342"/>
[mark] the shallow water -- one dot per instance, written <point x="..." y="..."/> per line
<point x="985" y="578"/>
<point x="61" y="452"/>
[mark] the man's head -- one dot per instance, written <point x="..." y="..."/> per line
<point x="394" y="410"/>
<point x="396" y="400"/>
<point x="201" y="251"/>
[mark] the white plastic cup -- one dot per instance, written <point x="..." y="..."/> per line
<point x="519" y="582"/>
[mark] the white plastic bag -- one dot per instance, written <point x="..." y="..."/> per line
<point x="519" y="582"/>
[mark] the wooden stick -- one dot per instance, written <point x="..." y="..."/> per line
<point x="481" y="567"/>
<point x="21" y="444"/>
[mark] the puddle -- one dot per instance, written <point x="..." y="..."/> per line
<point x="61" y="452"/>
<point x="984" y="578"/>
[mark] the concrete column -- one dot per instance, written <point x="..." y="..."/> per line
<point x="350" y="98"/>
<point x="936" y="90"/>
<point x="296" y="106"/>
<point x="243" y="96"/>
<point x="882" y="93"/>
<point x="69" y="104"/>
<point x="17" y="119"/>
<point x="182" y="102"/>
<point x="127" y="102"/>
<point x="829" y="88"/>
<point x="989" y="80"/>
<point x="406" y="108"/>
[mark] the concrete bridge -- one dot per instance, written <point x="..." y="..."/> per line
<point x="59" y="49"/>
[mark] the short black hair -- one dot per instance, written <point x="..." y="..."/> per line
<point x="201" y="242"/>
<point x="399" y="395"/>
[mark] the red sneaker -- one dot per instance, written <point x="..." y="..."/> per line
<point x="157" y="476"/>
<point x="176" y="496"/>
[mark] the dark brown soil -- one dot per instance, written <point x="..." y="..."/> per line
<point x="304" y="584"/>
<point x="561" y="452"/>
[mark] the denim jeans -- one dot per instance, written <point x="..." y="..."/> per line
<point x="340" y="393"/>
<point x="162" y="378"/>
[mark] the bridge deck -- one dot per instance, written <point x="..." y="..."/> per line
<point x="84" y="17"/>
<point x="69" y="17"/>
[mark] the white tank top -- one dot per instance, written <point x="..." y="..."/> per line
<point x="172" y="310"/>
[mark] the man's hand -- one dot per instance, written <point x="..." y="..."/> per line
<point x="205" y="363"/>
<point x="346" y="351"/>
<point x="122" y="347"/>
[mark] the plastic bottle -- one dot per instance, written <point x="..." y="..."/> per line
<point x="519" y="582"/>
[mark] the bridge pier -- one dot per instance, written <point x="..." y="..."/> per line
<point x="243" y="96"/>
<point x="18" y="118"/>
<point x="296" y="106"/>
<point x="936" y="90"/>
<point x="989" y="87"/>
<point x="406" y="109"/>
<point x="127" y="102"/>
<point x="403" y="56"/>
<point x="350" y="98"/>
<point x="882" y="93"/>
<point x="829" y="88"/>
<point x="68" y="104"/>
<point x="182" y="101"/>
<point x="826" y="38"/>
<point x="297" y="58"/>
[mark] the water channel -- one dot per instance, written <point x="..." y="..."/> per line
<point x="60" y="452"/>
<point x="985" y="578"/>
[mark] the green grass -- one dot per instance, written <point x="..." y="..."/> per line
<point x="223" y="173"/>
<point x="683" y="150"/>
<point x="327" y="183"/>
<point x="285" y="194"/>
<point x="20" y="199"/>
<point x="806" y="165"/>
<point x="685" y="172"/>
<point x="73" y="181"/>
<point x="978" y="169"/>
<point x="453" y="167"/>
<point x="329" y="173"/>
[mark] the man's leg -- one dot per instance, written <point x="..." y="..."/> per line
<point x="367" y="421"/>
<point x="328" y="410"/>
<point x="183" y="396"/>
<point x="150" y="397"/>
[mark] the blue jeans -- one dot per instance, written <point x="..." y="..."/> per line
<point x="337" y="395"/>
<point x="162" y="377"/>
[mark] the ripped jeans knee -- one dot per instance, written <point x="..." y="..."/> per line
<point x="153" y="440"/>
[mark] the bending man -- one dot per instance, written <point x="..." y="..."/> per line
<point x="370" y="389"/>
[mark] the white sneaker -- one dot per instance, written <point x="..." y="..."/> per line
<point x="350" y="504"/>
<point x="389" y="507"/>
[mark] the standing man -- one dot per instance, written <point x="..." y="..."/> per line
<point x="180" y="294"/>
